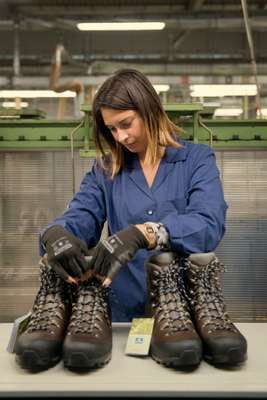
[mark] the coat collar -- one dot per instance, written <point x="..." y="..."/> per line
<point x="171" y="156"/>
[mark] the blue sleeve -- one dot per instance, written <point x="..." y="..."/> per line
<point x="86" y="213"/>
<point x="201" y="227"/>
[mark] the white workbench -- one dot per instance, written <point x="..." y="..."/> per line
<point x="135" y="376"/>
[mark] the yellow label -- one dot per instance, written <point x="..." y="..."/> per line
<point x="139" y="338"/>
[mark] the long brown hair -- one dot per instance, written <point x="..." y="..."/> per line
<point x="129" y="89"/>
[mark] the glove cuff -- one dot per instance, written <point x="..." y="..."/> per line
<point x="53" y="233"/>
<point x="146" y="237"/>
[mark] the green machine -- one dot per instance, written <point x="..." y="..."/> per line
<point x="42" y="163"/>
<point x="29" y="130"/>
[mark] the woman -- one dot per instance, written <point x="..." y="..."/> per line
<point x="148" y="175"/>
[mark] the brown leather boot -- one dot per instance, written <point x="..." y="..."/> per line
<point x="174" y="342"/>
<point x="88" y="343"/>
<point x="222" y="341"/>
<point x="40" y="346"/>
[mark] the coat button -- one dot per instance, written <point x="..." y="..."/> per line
<point x="150" y="212"/>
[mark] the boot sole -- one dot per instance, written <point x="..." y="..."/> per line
<point x="78" y="360"/>
<point x="31" y="360"/>
<point x="232" y="357"/>
<point x="188" y="358"/>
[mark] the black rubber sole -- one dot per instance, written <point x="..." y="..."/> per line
<point x="234" y="356"/>
<point x="31" y="360"/>
<point x="188" y="358"/>
<point x="80" y="361"/>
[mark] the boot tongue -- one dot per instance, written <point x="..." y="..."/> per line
<point x="50" y="298"/>
<point x="168" y="299"/>
<point x="208" y="294"/>
<point x="50" y="303"/>
<point x="159" y="269"/>
<point x="91" y="308"/>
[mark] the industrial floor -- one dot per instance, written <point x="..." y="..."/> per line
<point x="127" y="376"/>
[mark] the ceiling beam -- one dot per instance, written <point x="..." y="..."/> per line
<point x="31" y="74"/>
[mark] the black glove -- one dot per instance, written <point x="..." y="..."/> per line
<point x="112" y="253"/>
<point x="65" y="252"/>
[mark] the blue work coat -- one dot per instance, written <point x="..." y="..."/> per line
<point x="186" y="197"/>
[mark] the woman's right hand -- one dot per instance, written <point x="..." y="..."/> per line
<point x="65" y="253"/>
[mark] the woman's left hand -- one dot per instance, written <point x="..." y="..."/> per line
<point x="112" y="253"/>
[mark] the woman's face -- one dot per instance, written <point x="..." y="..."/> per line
<point x="127" y="128"/>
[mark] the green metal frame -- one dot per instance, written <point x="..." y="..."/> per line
<point x="38" y="134"/>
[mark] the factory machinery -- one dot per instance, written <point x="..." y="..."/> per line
<point x="43" y="161"/>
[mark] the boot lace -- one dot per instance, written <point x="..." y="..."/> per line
<point x="89" y="309"/>
<point x="169" y="299"/>
<point x="206" y="295"/>
<point x="50" y="302"/>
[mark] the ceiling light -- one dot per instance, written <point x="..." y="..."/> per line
<point x="161" y="88"/>
<point x="120" y="26"/>
<point x="263" y="112"/>
<point x="222" y="90"/>
<point x="228" y="112"/>
<point x="11" y="94"/>
<point x="12" y="104"/>
<point x="214" y="104"/>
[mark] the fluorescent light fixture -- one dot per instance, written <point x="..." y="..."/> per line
<point x="222" y="90"/>
<point x="12" y="104"/>
<point x="228" y="112"/>
<point x="212" y="104"/>
<point x="161" y="88"/>
<point x="263" y="112"/>
<point x="27" y="94"/>
<point x="120" y="26"/>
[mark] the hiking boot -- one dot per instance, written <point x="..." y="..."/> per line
<point x="88" y="342"/>
<point x="222" y="341"/>
<point x="40" y="345"/>
<point x="174" y="342"/>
